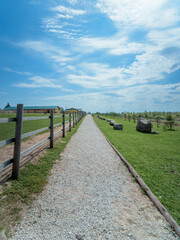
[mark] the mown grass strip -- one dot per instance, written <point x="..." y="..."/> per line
<point x="7" y="130"/>
<point x="154" y="157"/>
<point x="33" y="178"/>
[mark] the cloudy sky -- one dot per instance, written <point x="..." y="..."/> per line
<point x="98" y="55"/>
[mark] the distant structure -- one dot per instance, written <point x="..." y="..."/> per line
<point x="72" y="110"/>
<point x="8" y="105"/>
<point x="34" y="109"/>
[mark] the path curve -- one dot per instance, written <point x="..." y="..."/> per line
<point x="92" y="196"/>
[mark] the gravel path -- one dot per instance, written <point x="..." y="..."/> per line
<point x="92" y="196"/>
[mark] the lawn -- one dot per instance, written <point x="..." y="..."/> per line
<point x="7" y="130"/>
<point x="156" y="158"/>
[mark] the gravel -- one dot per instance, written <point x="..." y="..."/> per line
<point x="92" y="196"/>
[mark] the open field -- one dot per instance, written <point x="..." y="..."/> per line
<point x="7" y="130"/>
<point x="154" y="157"/>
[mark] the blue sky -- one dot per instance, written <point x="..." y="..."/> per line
<point x="98" y="55"/>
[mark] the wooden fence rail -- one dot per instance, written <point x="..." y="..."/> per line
<point x="19" y="136"/>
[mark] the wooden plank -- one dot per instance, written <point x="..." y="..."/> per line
<point x="6" y="163"/>
<point x="17" y="143"/>
<point x="58" y="132"/>
<point x="6" y="142"/>
<point x="25" y="135"/>
<point x="70" y="122"/>
<point x="34" y="147"/>
<point x="52" y="129"/>
<point x="64" y="123"/>
<point x="58" y="116"/>
<point x="6" y="120"/>
<point x="58" y="124"/>
<point x="73" y="120"/>
<point x="34" y="118"/>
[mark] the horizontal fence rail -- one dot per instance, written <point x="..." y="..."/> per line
<point x="15" y="161"/>
<point x="5" y="120"/>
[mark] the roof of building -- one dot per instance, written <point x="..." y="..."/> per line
<point x="33" y="107"/>
<point x="71" y="109"/>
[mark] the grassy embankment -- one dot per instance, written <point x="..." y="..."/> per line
<point x="20" y="194"/>
<point x="7" y="130"/>
<point x="154" y="157"/>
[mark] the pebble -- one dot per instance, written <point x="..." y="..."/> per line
<point x="92" y="196"/>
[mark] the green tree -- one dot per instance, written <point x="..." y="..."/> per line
<point x="129" y="117"/>
<point x="157" y="119"/>
<point x="169" y="121"/>
<point x="134" y="117"/>
<point x="146" y="115"/>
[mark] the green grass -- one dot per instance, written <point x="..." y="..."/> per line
<point x="31" y="182"/>
<point x="7" y="130"/>
<point x="156" y="158"/>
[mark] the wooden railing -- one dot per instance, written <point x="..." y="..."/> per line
<point x="17" y="155"/>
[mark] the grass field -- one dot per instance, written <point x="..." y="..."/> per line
<point x="7" y="130"/>
<point x="156" y="158"/>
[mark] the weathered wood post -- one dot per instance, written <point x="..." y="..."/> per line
<point x="70" y="122"/>
<point x="52" y="129"/>
<point x="17" y="143"/>
<point x="64" y="124"/>
<point x="73" y="120"/>
<point x="76" y="118"/>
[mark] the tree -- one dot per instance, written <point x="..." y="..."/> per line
<point x="129" y="117"/>
<point x="169" y="121"/>
<point x="134" y="117"/>
<point x="146" y="114"/>
<point x="157" y="119"/>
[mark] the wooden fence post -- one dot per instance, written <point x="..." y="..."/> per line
<point x="76" y="118"/>
<point x="17" y="144"/>
<point x="64" y="124"/>
<point x="73" y="120"/>
<point x="70" y="122"/>
<point x="52" y="129"/>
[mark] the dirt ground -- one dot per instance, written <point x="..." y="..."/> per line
<point x="6" y="152"/>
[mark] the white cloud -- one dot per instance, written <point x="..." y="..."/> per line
<point x="56" y="54"/>
<point x="136" y="98"/>
<point x="64" y="16"/>
<point x="69" y="11"/>
<point x="17" y="72"/>
<point x="115" y="45"/>
<point x="62" y="19"/>
<point x="39" y="82"/>
<point x="147" y="13"/>
<point x="73" y="2"/>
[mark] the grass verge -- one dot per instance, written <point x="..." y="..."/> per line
<point x="7" y="130"/>
<point x="19" y="194"/>
<point x="154" y="157"/>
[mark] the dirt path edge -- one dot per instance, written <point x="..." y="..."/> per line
<point x="149" y="193"/>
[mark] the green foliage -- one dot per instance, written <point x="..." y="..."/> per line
<point x="154" y="157"/>
<point x="169" y="121"/>
<point x="157" y="119"/>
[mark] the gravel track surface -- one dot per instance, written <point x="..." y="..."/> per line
<point x="92" y="196"/>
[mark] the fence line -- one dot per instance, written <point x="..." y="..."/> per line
<point x="19" y="136"/>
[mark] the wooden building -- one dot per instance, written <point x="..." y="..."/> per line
<point x="35" y="109"/>
<point x="71" y="110"/>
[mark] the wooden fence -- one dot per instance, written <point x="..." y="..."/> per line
<point x="15" y="161"/>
